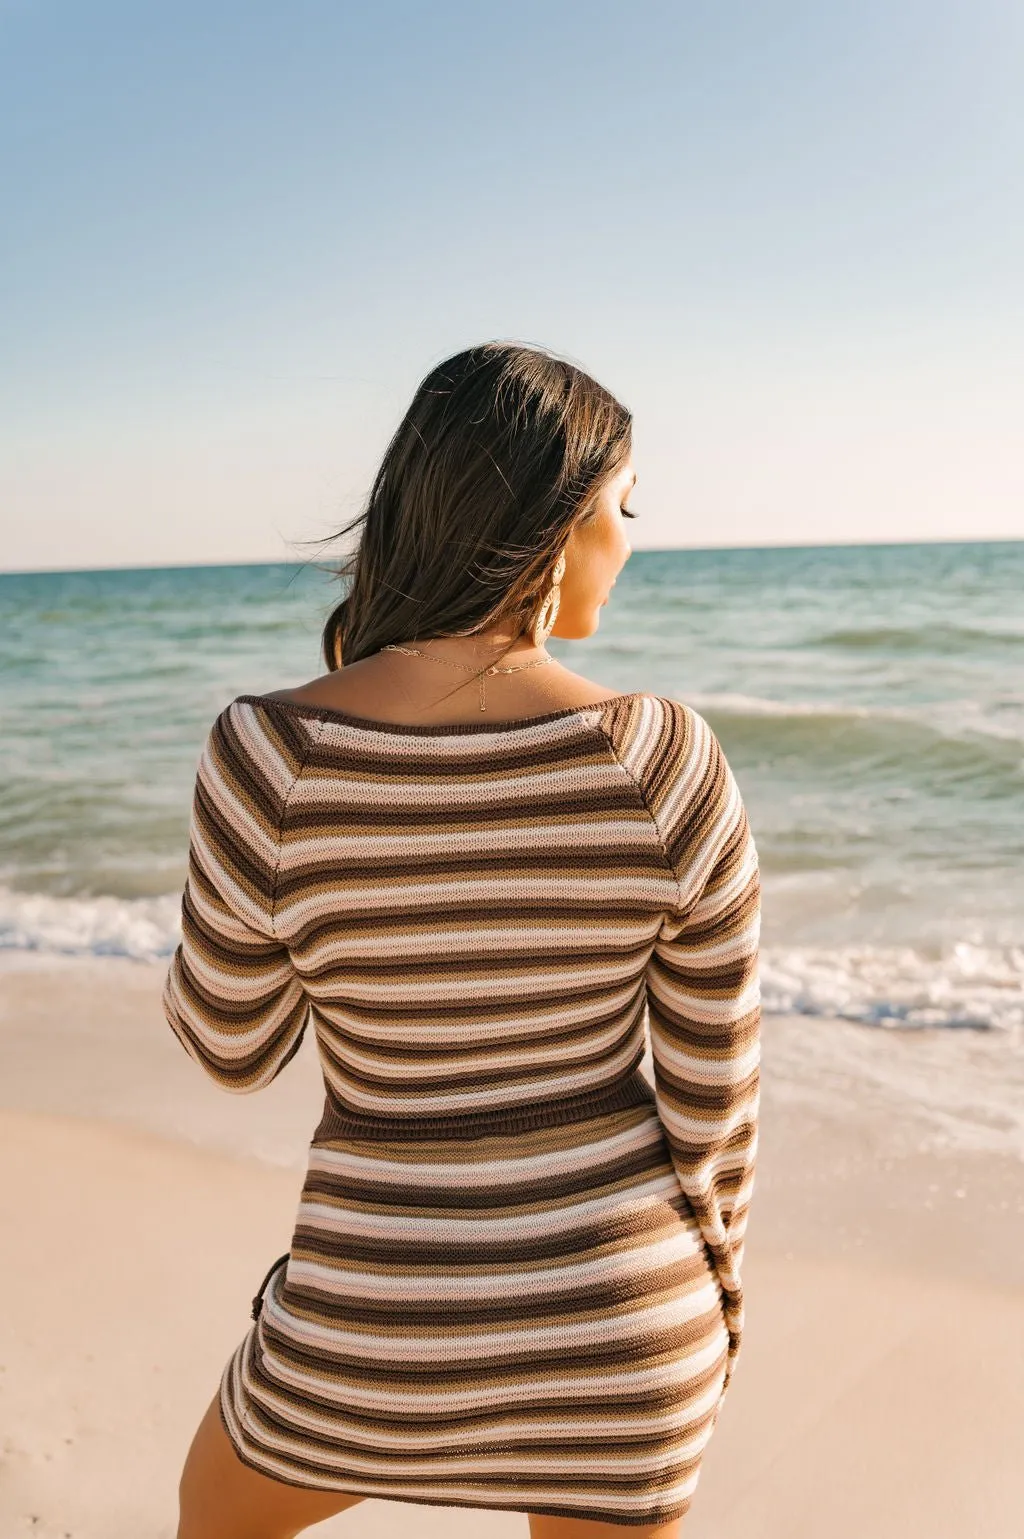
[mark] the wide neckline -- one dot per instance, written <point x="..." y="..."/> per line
<point x="437" y="729"/>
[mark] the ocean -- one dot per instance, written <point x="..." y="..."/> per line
<point x="870" y="700"/>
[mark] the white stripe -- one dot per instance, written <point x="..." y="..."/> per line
<point x="312" y="1421"/>
<point x="703" y="1130"/>
<point x="490" y="790"/>
<point x="479" y="1288"/>
<point x="449" y="841"/>
<point x="274" y="768"/>
<point x="517" y="984"/>
<point x="376" y="896"/>
<point x="631" y="1380"/>
<point x="552" y="1085"/>
<point x="572" y="934"/>
<point x="476" y="1061"/>
<point x="508" y="1228"/>
<point x="704" y="1071"/>
<point x="401" y="1345"/>
<point x="470" y="1173"/>
<point x="371" y="1027"/>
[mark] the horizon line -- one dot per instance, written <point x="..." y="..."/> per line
<point x="644" y="550"/>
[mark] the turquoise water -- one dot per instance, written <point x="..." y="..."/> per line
<point x="870" y="700"/>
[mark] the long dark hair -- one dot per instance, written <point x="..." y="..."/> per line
<point x="502" y="450"/>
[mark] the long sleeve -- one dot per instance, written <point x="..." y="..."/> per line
<point x="704" y="997"/>
<point x="232" y="995"/>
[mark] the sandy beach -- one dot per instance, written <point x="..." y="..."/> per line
<point x="881" y="1388"/>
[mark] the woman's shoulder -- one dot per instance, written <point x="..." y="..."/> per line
<point x="657" y="731"/>
<point x="679" y="766"/>
<point x="257" y="747"/>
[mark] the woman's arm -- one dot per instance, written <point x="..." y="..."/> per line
<point x="704" y="1010"/>
<point x="232" y="995"/>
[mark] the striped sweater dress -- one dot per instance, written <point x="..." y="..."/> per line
<point x="514" y="1277"/>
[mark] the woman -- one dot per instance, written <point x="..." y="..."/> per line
<point x="514" y="1279"/>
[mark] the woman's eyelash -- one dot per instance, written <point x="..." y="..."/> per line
<point x="627" y="512"/>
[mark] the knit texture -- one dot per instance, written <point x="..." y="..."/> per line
<point x="515" y="1276"/>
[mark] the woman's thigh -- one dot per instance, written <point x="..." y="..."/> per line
<point x="544" y="1527"/>
<point x="222" y="1498"/>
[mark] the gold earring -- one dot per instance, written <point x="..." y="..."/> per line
<point x="548" y="612"/>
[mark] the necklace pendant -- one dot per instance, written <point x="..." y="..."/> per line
<point x="482" y="706"/>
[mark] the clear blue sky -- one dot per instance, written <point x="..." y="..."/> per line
<point x="790" y="236"/>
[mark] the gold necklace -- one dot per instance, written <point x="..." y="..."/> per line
<point x="466" y="667"/>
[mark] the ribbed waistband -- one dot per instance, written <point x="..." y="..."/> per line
<point x="340" y="1122"/>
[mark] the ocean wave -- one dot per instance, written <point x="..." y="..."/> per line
<point x="962" y="985"/>
<point x="959" y="720"/>
<point x="734" y="704"/>
<point x="936" y="638"/>
<point x="144" y="929"/>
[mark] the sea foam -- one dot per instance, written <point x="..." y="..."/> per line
<point x="145" y="929"/>
<point x="959" y="985"/>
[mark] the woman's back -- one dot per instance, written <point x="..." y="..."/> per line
<point x="468" y="909"/>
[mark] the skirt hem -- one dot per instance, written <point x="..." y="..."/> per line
<point x="664" y="1515"/>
